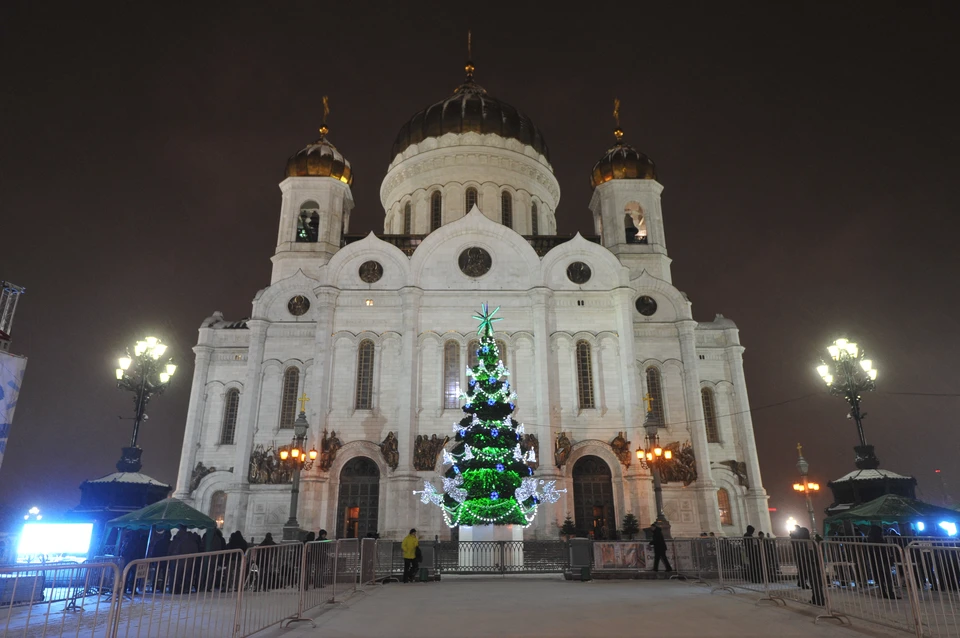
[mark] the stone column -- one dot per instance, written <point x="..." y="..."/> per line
<point x="247" y="422"/>
<point x="705" y="486"/>
<point x="757" y="508"/>
<point x="195" y="409"/>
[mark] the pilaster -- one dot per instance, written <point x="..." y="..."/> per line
<point x="195" y="410"/>
<point x="706" y="488"/>
<point x="757" y="507"/>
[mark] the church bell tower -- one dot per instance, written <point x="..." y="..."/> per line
<point x="315" y="211"/>
<point x="626" y="207"/>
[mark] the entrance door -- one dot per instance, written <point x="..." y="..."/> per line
<point x="593" y="498"/>
<point x="359" y="498"/>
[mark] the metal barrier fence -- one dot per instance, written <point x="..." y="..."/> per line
<point x="934" y="578"/>
<point x="272" y="586"/>
<point x="318" y="557"/>
<point x="346" y="567"/>
<point x="30" y="597"/>
<point x="501" y="557"/>
<point x="188" y="595"/>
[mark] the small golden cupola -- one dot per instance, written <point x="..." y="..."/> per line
<point x="621" y="161"/>
<point x="321" y="158"/>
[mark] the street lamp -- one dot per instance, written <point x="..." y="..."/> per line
<point x="847" y="374"/>
<point x="297" y="454"/>
<point x="806" y="487"/>
<point x="652" y="457"/>
<point x="145" y="373"/>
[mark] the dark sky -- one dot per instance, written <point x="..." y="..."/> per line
<point x="809" y="157"/>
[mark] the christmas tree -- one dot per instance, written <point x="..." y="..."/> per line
<point x="488" y="480"/>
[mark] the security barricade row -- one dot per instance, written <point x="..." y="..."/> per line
<point x="58" y="600"/>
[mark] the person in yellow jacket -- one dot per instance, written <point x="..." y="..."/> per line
<point x="409" y="546"/>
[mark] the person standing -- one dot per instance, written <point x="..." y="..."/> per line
<point x="410" y="545"/>
<point x="659" y="545"/>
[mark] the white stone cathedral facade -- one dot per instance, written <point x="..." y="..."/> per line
<point x="377" y="332"/>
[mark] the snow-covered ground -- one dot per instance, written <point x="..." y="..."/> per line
<point x="548" y="606"/>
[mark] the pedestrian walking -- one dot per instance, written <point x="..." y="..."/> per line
<point x="659" y="545"/>
<point x="410" y="546"/>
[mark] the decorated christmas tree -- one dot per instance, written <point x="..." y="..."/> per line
<point x="488" y="478"/>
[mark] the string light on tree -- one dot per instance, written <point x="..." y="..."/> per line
<point x="489" y="479"/>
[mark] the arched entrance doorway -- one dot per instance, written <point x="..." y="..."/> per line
<point x="593" y="498"/>
<point x="359" y="498"/>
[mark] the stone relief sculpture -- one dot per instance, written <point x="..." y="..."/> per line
<point x="530" y="442"/>
<point x="684" y="466"/>
<point x="561" y="451"/>
<point x="329" y="446"/>
<point x="390" y="452"/>
<point x="267" y="468"/>
<point x="198" y="473"/>
<point x="621" y="447"/>
<point x="739" y="468"/>
<point x="425" y="451"/>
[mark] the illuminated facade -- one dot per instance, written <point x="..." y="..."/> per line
<point x="377" y="331"/>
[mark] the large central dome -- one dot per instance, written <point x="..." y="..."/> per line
<point x="470" y="110"/>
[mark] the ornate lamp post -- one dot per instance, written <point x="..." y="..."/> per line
<point x="847" y="374"/>
<point x="806" y="486"/>
<point x="146" y="373"/>
<point x="652" y="457"/>
<point x="297" y="454"/>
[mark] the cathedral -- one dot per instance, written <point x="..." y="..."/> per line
<point x="370" y="337"/>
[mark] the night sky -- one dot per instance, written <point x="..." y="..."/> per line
<point x="809" y="158"/>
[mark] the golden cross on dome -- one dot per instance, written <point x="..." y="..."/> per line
<point x="469" y="66"/>
<point x="648" y="400"/>
<point x="799" y="450"/>
<point x="303" y="399"/>
<point x="617" y="132"/>
<point x="326" y="112"/>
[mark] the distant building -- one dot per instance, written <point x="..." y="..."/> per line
<point x="12" y="366"/>
<point x="377" y="330"/>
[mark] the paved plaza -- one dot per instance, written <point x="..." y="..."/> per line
<point x="548" y="606"/>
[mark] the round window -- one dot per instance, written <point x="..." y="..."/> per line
<point x="371" y="271"/>
<point x="298" y="305"/>
<point x="646" y="306"/>
<point x="475" y="262"/>
<point x="578" y="272"/>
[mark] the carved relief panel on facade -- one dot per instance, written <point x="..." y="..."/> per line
<point x="425" y="451"/>
<point x="390" y="451"/>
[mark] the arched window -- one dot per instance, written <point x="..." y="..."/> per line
<point x="308" y="224"/>
<point x="407" y="219"/>
<point x="502" y="349"/>
<point x="655" y="390"/>
<point x="471" y="199"/>
<point x="288" y="397"/>
<point x="228" y="427"/>
<point x="534" y="220"/>
<point x="218" y="507"/>
<point x="584" y="376"/>
<point x="506" y="209"/>
<point x="723" y="500"/>
<point x="364" y="395"/>
<point x="710" y="415"/>
<point x="472" y="357"/>
<point x="436" y="210"/>
<point x="451" y="375"/>
<point x="634" y="224"/>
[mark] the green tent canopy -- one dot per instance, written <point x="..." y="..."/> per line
<point x="166" y="514"/>
<point x="891" y="510"/>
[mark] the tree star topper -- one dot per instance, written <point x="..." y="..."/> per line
<point x="486" y="320"/>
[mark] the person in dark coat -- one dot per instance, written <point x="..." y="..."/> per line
<point x="659" y="545"/>
<point x="751" y="552"/>
<point x="880" y="562"/>
<point x="266" y="563"/>
<point x="810" y="559"/>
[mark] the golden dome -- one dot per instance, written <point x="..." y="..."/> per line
<point x="470" y="110"/>
<point x="622" y="162"/>
<point x="320" y="159"/>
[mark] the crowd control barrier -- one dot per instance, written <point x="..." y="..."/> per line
<point x="58" y="600"/>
